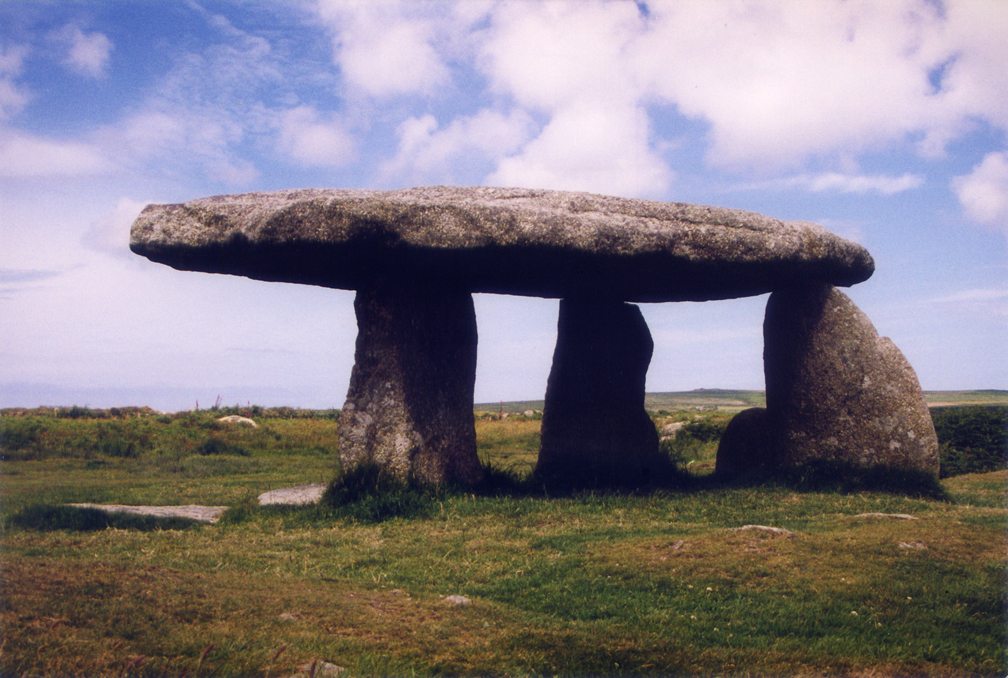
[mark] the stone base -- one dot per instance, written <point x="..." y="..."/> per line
<point x="595" y="431"/>
<point x="837" y="390"/>
<point x="409" y="406"/>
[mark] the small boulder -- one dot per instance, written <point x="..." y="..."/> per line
<point x="670" y="430"/>
<point x="240" y="421"/>
<point x="319" y="669"/>
<point x="745" y="444"/>
<point x="837" y="390"/>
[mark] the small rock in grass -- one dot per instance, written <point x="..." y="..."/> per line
<point x="763" y="528"/>
<point x="319" y="669"/>
<point x="896" y="516"/>
<point x="300" y="494"/>
<point x="912" y="545"/>
<point x="235" y="419"/>
<point x="457" y="600"/>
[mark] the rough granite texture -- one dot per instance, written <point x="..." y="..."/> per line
<point x="409" y="406"/>
<point x="837" y="390"/>
<point x="595" y="430"/>
<point x="541" y="243"/>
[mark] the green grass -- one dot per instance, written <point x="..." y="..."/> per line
<point x="600" y="583"/>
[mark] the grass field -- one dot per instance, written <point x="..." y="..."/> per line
<point x="591" y="584"/>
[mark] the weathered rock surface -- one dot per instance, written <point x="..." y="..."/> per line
<point x="595" y="431"/>
<point x="298" y="495"/>
<point x="235" y="419"/>
<point x="512" y="241"/>
<point x="409" y="406"/>
<point x="745" y="444"/>
<point x="837" y="390"/>
<point x="206" y="514"/>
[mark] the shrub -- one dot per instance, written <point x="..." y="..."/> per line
<point x="705" y="430"/>
<point x="971" y="439"/>
<point x="18" y="433"/>
<point x="216" y="446"/>
<point x="823" y="475"/>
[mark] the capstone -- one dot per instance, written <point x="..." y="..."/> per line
<point x="540" y="243"/>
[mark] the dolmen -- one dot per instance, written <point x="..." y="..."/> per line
<point x="835" y="389"/>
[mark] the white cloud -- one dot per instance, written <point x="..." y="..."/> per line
<point x="386" y="49"/>
<point x="569" y="60"/>
<point x="312" y="142"/>
<point x="177" y="141"/>
<point x="974" y="295"/>
<point x="201" y="120"/>
<point x="974" y="80"/>
<point x="845" y="228"/>
<point x="87" y="53"/>
<point x="111" y="232"/>
<point x="846" y="183"/>
<point x="589" y="148"/>
<point x="149" y="133"/>
<point x="548" y="55"/>
<point x="779" y="82"/>
<point x="12" y="98"/>
<point x="984" y="192"/>
<point x="987" y="302"/>
<point x="25" y="155"/>
<point x="429" y="154"/>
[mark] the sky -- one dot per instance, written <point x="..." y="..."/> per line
<point x="886" y="122"/>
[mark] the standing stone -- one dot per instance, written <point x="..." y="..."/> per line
<point x="409" y="406"/>
<point x="745" y="444"/>
<point x="595" y="430"/>
<point x="836" y="389"/>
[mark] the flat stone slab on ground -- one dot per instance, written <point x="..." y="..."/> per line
<point x="206" y="514"/>
<point x="300" y="494"/>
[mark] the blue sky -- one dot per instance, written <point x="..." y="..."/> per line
<point x="886" y="122"/>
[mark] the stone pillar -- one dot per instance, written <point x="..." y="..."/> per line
<point x="409" y="408"/>
<point x="595" y="431"/>
<point x="837" y="390"/>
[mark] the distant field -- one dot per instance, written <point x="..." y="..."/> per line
<point x="733" y="400"/>
<point x="990" y="397"/>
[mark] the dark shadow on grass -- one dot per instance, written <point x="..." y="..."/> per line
<point x="370" y="494"/>
<point x="837" y="477"/>
<point x="48" y="518"/>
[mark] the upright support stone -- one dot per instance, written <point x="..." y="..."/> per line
<point x="409" y="406"/>
<point x="837" y="390"/>
<point x="595" y="431"/>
